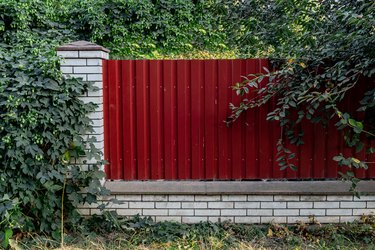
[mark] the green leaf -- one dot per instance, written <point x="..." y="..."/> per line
<point x="338" y="158"/>
<point x="8" y="233"/>
<point x="352" y="122"/>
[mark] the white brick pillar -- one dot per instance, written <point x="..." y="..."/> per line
<point x="83" y="59"/>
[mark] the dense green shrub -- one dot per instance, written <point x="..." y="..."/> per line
<point x="148" y="29"/>
<point x="41" y="126"/>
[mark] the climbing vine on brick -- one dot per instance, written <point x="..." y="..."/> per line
<point x="42" y="121"/>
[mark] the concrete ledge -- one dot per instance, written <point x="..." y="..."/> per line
<point x="82" y="46"/>
<point x="237" y="187"/>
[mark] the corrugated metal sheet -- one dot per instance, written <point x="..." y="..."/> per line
<point x="164" y="120"/>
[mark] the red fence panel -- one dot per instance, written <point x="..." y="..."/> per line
<point x="164" y="119"/>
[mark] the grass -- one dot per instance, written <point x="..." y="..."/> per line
<point x="112" y="232"/>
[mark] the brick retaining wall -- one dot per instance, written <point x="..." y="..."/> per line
<point x="242" y="208"/>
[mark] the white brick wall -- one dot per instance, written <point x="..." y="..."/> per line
<point x="241" y="208"/>
<point x="88" y="66"/>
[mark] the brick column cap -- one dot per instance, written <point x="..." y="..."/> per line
<point x="81" y="46"/>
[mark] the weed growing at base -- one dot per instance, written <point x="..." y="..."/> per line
<point x="110" y="231"/>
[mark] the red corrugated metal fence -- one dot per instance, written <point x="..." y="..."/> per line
<point x="164" y="120"/>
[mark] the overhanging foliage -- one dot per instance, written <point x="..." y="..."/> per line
<point x="330" y="49"/>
